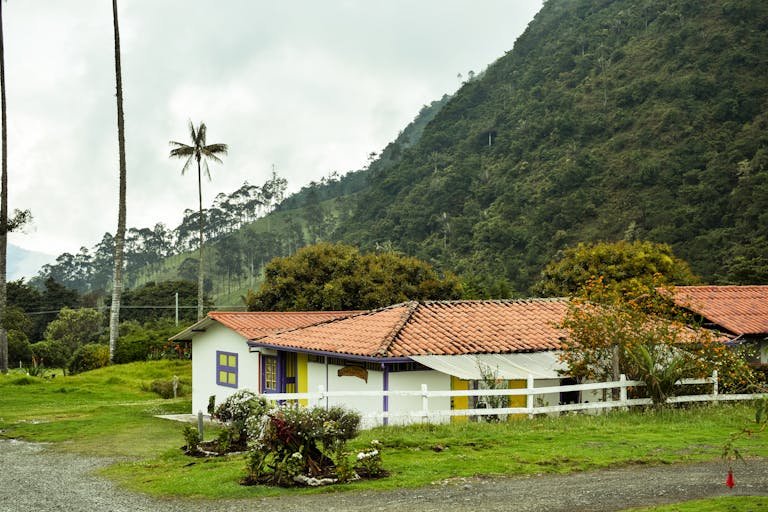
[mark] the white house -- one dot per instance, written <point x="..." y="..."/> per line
<point x="442" y="344"/>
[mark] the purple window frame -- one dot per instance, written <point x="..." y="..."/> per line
<point x="226" y="368"/>
<point x="271" y="360"/>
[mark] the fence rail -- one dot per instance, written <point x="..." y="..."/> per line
<point x="425" y="413"/>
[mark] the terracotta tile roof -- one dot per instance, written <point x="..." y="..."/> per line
<point x="737" y="309"/>
<point x="261" y="323"/>
<point x="434" y="328"/>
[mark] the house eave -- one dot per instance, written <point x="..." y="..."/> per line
<point x="327" y="353"/>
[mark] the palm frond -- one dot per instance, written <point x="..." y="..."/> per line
<point x="214" y="149"/>
<point x="206" y="171"/>
<point x="201" y="129"/>
<point x="192" y="132"/>
<point x="180" y="150"/>
<point x="187" y="164"/>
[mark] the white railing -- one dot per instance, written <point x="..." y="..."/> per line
<point x="426" y="414"/>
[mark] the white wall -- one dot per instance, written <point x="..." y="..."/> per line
<point x="412" y="381"/>
<point x="398" y="381"/>
<point x="548" y="398"/>
<point x="204" y="347"/>
<point x="316" y="376"/>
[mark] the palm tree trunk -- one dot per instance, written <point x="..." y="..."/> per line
<point x="3" y="206"/>
<point x="117" y="282"/>
<point x="200" y="280"/>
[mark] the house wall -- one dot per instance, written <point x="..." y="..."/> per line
<point x="398" y="381"/>
<point x="316" y="376"/>
<point x="204" y="347"/>
<point x="412" y="381"/>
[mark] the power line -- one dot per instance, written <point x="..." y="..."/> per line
<point x="106" y="308"/>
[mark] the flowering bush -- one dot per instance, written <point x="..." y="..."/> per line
<point x="235" y="412"/>
<point x="283" y="444"/>
<point x="369" y="461"/>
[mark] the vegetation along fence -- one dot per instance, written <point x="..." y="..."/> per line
<point x="591" y="399"/>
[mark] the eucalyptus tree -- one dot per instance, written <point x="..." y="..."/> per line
<point x="117" y="281"/>
<point x="199" y="152"/>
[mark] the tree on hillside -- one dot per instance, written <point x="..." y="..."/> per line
<point x="117" y="281"/>
<point x="75" y="328"/>
<point x="338" y="277"/>
<point x="162" y="295"/>
<point x="639" y="332"/>
<point x="19" y="218"/>
<point x="623" y="264"/>
<point x="199" y="152"/>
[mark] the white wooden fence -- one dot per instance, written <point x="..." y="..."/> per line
<point x="427" y="414"/>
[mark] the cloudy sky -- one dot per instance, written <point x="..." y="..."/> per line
<point x="309" y="86"/>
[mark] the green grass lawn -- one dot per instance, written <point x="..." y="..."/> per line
<point x="110" y="413"/>
<point x="721" y="504"/>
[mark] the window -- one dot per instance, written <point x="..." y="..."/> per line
<point x="269" y="373"/>
<point x="226" y="369"/>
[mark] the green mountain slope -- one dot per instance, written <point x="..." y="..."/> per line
<point x="608" y="120"/>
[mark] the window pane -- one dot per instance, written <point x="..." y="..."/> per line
<point x="233" y="361"/>
<point x="222" y="359"/>
<point x="222" y="377"/>
<point x="232" y="378"/>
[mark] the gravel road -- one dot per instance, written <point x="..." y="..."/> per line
<point x="34" y="478"/>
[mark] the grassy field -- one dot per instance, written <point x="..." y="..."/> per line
<point x="111" y="413"/>
<point x="722" y="504"/>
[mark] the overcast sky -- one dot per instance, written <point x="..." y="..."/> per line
<point x="309" y="86"/>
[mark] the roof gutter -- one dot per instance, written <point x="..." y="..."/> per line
<point x="735" y="342"/>
<point x="328" y="353"/>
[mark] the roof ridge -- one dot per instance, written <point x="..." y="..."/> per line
<point x="496" y="301"/>
<point x="412" y="306"/>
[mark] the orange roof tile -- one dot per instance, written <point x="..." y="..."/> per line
<point x="737" y="309"/>
<point x="260" y="323"/>
<point x="434" y="328"/>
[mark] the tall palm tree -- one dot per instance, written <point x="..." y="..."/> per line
<point x="117" y="281"/>
<point x="198" y="152"/>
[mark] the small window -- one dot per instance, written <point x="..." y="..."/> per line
<point x="270" y="373"/>
<point x="226" y="369"/>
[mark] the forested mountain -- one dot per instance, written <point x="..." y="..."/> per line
<point x="244" y="229"/>
<point x="609" y="119"/>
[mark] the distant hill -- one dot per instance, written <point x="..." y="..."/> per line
<point x="608" y="120"/>
<point x="24" y="263"/>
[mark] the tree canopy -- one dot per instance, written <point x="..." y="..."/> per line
<point x="623" y="264"/>
<point x="338" y="277"/>
<point x="638" y="331"/>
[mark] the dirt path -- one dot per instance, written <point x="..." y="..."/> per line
<point x="33" y="478"/>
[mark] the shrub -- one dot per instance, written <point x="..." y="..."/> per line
<point x="283" y="445"/>
<point x="369" y="462"/>
<point x="164" y="388"/>
<point x="19" y="348"/>
<point x="50" y="354"/>
<point x="192" y="439"/>
<point x="139" y="342"/>
<point x="236" y="410"/>
<point x="89" y="357"/>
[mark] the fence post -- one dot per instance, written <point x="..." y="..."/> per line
<point x="715" y="386"/>
<point x="425" y="402"/>
<point x="321" y="391"/>
<point x="529" y="396"/>
<point x="623" y="389"/>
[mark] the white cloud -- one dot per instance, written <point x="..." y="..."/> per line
<point x="308" y="86"/>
